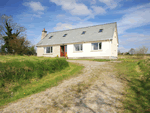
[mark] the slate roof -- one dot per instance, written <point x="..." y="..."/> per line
<point x="74" y="35"/>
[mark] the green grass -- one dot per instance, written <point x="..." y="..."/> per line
<point x="137" y="76"/>
<point x="24" y="76"/>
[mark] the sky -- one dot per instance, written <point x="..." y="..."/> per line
<point x="132" y="17"/>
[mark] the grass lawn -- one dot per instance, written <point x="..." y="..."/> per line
<point x="12" y="90"/>
<point x="136" y="75"/>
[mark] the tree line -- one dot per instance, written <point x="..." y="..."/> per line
<point x="138" y="51"/>
<point x="13" y="38"/>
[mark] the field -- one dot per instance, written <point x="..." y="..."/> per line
<point x="134" y="71"/>
<point x="21" y="76"/>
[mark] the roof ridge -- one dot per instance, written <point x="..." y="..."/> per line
<point x="82" y="27"/>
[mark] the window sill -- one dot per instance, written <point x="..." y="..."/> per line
<point x="77" y="51"/>
<point x="47" y="53"/>
<point x="95" y="50"/>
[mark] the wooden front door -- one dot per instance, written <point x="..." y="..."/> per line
<point x="63" y="50"/>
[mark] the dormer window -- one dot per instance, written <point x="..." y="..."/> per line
<point x="83" y="32"/>
<point x="50" y="37"/>
<point x="101" y="30"/>
<point x="64" y="35"/>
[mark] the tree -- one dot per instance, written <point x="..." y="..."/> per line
<point x="141" y="50"/>
<point x="15" y="42"/>
<point x="119" y="53"/>
<point x="9" y="30"/>
<point x="31" y="50"/>
<point x="132" y="51"/>
<point x="19" y="45"/>
<point x="16" y="28"/>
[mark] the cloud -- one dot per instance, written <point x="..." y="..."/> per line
<point x="135" y="8"/>
<point x="65" y="26"/>
<point x="61" y="26"/>
<point x="123" y="49"/>
<point x="36" y="6"/>
<point x="93" y="1"/>
<point x="133" y="40"/>
<point x="111" y="3"/>
<point x="98" y="10"/>
<point x="68" y="18"/>
<point x="73" y="7"/>
<point x="134" y="18"/>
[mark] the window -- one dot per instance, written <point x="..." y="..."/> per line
<point x="83" y="32"/>
<point x="78" y="47"/>
<point x="64" y="35"/>
<point x="48" y="49"/>
<point x="100" y="30"/>
<point x="50" y="37"/>
<point x="96" y="46"/>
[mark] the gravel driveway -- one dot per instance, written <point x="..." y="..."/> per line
<point x="95" y="90"/>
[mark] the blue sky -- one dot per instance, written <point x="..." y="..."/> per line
<point x="132" y="17"/>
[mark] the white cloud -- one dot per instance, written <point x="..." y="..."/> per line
<point x="135" y="8"/>
<point x="134" y="19"/>
<point x="98" y="10"/>
<point x="61" y="26"/>
<point x="123" y="49"/>
<point x="67" y="18"/>
<point x="111" y="3"/>
<point x="36" y="6"/>
<point x="73" y="7"/>
<point x="136" y="38"/>
<point x="65" y="26"/>
<point x="93" y="1"/>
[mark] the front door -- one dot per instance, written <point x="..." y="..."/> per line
<point x="63" y="50"/>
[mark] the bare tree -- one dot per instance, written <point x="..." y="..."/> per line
<point x="16" y="28"/>
<point x="141" y="50"/>
<point x="132" y="51"/>
<point x="119" y="53"/>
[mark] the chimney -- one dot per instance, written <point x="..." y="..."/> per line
<point x="44" y="33"/>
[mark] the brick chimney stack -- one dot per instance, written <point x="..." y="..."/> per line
<point x="44" y="33"/>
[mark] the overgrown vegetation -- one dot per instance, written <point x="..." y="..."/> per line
<point x="136" y="75"/>
<point x="21" y="76"/>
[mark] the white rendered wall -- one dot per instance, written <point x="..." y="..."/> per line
<point x="87" y="50"/>
<point x="41" y="52"/>
<point x="114" y="45"/>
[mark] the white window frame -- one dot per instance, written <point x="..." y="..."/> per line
<point x="45" y="48"/>
<point x="79" y="47"/>
<point x="98" y="46"/>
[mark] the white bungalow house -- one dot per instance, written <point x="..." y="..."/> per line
<point x="100" y="41"/>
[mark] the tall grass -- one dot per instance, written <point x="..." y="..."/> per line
<point x="137" y="76"/>
<point x="21" y="76"/>
<point x="16" y="70"/>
